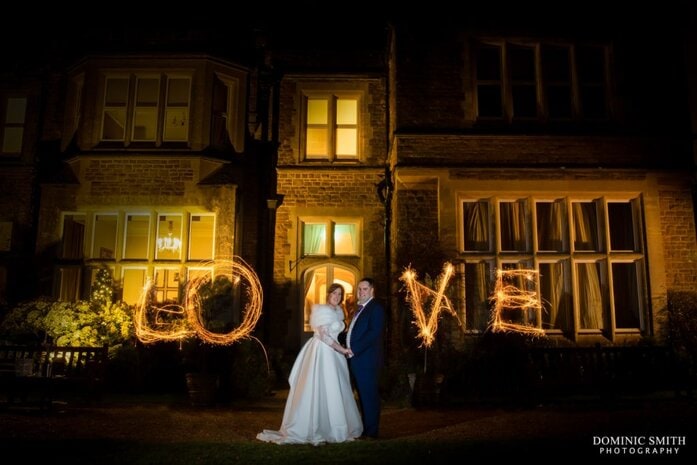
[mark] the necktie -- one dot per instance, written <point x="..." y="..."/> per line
<point x="359" y="309"/>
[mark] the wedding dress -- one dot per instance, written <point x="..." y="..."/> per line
<point x="320" y="406"/>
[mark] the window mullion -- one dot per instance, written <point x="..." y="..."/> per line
<point x="160" y="111"/>
<point x="506" y="84"/>
<point x="575" y="98"/>
<point x="131" y="109"/>
<point x="332" y="128"/>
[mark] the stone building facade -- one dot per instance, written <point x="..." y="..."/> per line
<point x="415" y="143"/>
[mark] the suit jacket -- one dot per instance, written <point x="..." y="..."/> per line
<point x="367" y="336"/>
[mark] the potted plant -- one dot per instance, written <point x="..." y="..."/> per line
<point x="205" y="364"/>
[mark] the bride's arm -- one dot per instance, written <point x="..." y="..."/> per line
<point x="325" y="337"/>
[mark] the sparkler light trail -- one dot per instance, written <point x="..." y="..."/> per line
<point x="174" y="322"/>
<point x="417" y="293"/>
<point x="507" y="297"/>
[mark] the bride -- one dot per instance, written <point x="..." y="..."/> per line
<point x="320" y="406"/>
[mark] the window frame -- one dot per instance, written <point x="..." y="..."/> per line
<point x="332" y="126"/>
<point x="331" y="277"/>
<point x="13" y="125"/>
<point x="542" y="84"/>
<point x="573" y="263"/>
<point x="329" y="240"/>
<point x="131" y="106"/>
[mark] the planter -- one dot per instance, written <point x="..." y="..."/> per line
<point x="202" y="389"/>
<point x="427" y="390"/>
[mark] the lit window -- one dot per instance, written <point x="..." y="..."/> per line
<point x="137" y="237"/>
<point x="157" y="112"/>
<point x="105" y="231"/>
<point x="169" y="237"/>
<point x="166" y="285"/>
<point x="330" y="238"/>
<point x="201" y="274"/>
<point x="583" y="286"/>
<point x="331" y="127"/>
<point x="201" y="237"/>
<point x="13" y="125"/>
<point x="512" y="226"/>
<point x="133" y="281"/>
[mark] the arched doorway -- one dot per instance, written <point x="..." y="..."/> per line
<point x="315" y="282"/>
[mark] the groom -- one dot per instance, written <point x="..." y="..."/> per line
<point x="364" y="340"/>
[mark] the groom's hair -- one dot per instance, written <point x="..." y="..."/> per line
<point x="370" y="281"/>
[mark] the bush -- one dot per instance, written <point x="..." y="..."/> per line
<point x="93" y="323"/>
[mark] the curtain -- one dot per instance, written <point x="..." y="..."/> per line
<point x="588" y="274"/>
<point x="476" y="226"/>
<point x="73" y="237"/>
<point x="513" y="225"/>
<point x="477" y="311"/>
<point x="308" y="300"/>
<point x="69" y="284"/>
<point x="313" y="239"/>
<point x="551" y="225"/>
<point x="556" y="302"/>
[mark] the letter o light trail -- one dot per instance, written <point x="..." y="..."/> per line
<point x="175" y="322"/>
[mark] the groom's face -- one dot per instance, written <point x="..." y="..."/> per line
<point x="365" y="292"/>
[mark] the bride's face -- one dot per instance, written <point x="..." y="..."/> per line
<point x="335" y="297"/>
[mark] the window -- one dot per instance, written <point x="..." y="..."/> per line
<point x="69" y="283"/>
<point x="227" y="105"/>
<point x="587" y="252"/>
<point x="329" y="238"/>
<point x="331" y="126"/>
<point x="201" y="237"/>
<point x="132" y="281"/>
<point x="571" y="83"/>
<point x="316" y="280"/>
<point x="13" y="125"/>
<point x="169" y="237"/>
<point x="134" y="246"/>
<point x="156" y="111"/>
<point x="105" y="231"/>
<point x="137" y="236"/>
<point x="73" y="237"/>
<point x="73" y="105"/>
<point x="166" y="285"/>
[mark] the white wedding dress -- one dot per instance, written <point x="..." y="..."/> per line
<point x="320" y="406"/>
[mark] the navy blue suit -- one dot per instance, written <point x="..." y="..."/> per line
<point x="366" y="345"/>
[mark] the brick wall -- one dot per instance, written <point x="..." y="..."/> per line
<point x="323" y="192"/>
<point x="680" y="247"/>
<point x="373" y="125"/>
<point x="16" y="184"/>
<point x="528" y="151"/>
<point x="129" y="177"/>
